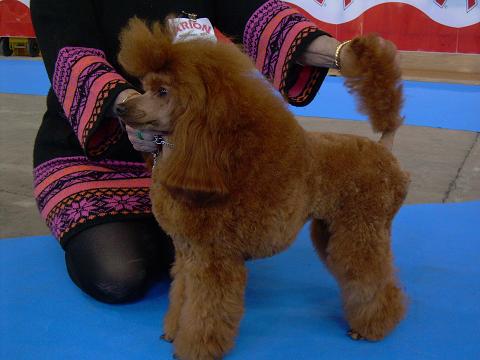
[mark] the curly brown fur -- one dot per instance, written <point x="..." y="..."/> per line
<point x="240" y="183"/>
<point x="374" y="76"/>
<point x="144" y="49"/>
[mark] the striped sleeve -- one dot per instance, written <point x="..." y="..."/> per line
<point x="86" y="85"/>
<point x="274" y="37"/>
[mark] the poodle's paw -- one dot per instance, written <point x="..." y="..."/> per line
<point x="166" y="338"/>
<point x="170" y="326"/>
<point x="169" y="333"/>
<point x="354" y="335"/>
<point x="375" y="319"/>
<point x="191" y="346"/>
<point x="176" y="357"/>
<point x="196" y="352"/>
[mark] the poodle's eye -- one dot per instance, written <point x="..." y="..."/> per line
<point x="162" y="91"/>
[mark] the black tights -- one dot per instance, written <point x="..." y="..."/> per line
<point x="115" y="262"/>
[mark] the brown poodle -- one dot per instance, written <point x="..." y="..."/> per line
<point x="244" y="177"/>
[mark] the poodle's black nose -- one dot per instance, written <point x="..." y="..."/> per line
<point x="121" y="109"/>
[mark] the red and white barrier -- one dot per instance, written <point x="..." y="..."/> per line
<point x="425" y="25"/>
<point x="15" y="19"/>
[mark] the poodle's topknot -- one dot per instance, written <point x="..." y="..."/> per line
<point x="144" y="48"/>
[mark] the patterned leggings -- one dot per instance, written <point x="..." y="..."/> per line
<point x="116" y="262"/>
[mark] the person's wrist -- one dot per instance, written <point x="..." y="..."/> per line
<point x="339" y="54"/>
<point x="320" y="52"/>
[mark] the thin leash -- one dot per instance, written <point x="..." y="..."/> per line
<point x="160" y="140"/>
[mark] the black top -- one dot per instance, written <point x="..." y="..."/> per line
<point x="97" y="24"/>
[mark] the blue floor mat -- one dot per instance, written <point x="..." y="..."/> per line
<point x="26" y="77"/>
<point x="293" y="306"/>
<point x="449" y="106"/>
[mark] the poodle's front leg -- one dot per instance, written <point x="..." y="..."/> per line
<point x="213" y="308"/>
<point x="176" y="296"/>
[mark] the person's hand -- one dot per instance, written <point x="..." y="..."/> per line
<point x="325" y="51"/>
<point x="320" y="52"/>
<point x="142" y="140"/>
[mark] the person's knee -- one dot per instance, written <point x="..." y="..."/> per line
<point x="113" y="282"/>
<point x="120" y="283"/>
<point x="109" y="272"/>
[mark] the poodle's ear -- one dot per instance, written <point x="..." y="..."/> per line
<point x="144" y="49"/>
<point x="204" y="140"/>
<point x="198" y="165"/>
<point x="206" y="133"/>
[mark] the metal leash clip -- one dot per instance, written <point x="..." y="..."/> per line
<point x="191" y="16"/>
<point x="159" y="140"/>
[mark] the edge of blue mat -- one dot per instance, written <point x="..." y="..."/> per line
<point x="437" y="105"/>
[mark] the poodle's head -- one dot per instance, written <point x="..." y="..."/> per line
<point x="196" y="91"/>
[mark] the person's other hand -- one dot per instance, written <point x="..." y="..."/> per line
<point x="142" y="140"/>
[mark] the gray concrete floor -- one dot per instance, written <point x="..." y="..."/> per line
<point x="444" y="164"/>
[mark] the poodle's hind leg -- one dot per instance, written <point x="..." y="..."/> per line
<point x="359" y="256"/>
<point x="213" y="308"/>
<point x="320" y="236"/>
<point x="176" y="297"/>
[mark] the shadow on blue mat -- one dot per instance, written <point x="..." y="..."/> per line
<point x="293" y="304"/>
<point x="450" y="106"/>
